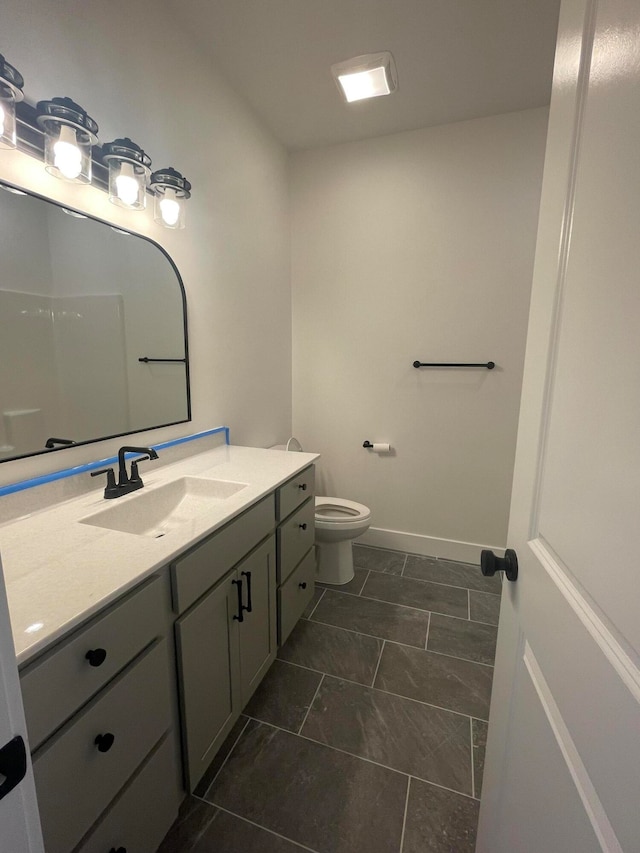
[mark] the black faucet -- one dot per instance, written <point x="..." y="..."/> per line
<point x="125" y="482"/>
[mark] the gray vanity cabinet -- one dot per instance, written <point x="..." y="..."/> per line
<point x="225" y="644"/>
<point x="101" y="716"/>
<point x="296" y="565"/>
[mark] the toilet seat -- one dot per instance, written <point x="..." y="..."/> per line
<point x="339" y="511"/>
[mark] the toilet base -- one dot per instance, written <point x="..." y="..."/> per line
<point x="335" y="562"/>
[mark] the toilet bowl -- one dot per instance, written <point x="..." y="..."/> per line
<point x="338" y="522"/>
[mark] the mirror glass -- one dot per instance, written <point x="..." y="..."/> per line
<point x="81" y="304"/>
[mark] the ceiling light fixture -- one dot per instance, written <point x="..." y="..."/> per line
<point x="367" y="76"/>
<point x="11" y="84"/>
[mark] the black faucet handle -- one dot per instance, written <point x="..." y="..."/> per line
<point x="111" y="490"/>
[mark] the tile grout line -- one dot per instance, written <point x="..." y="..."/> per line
<point x="375" y="674"/>
<point x="379" y="690"/>
<point x="310" y="706"/>
<point x="426" y="639"/>
<point x="404" y="819"/>
<point x="387" y="640"/>
<point x="253" y="823"/>
<point x="406" y="606"/>
<point x="473" y="769"/>
<point x="404" y="565"/>
<point x="317" y="602"/>
<point x="362" y="758"/>
<point x="226" y="758"/>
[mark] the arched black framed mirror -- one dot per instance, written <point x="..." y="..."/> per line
<point x="93" y="330"/>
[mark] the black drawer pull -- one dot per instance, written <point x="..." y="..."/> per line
<point x="96" y="657"/>
<point x="104" y="742"/>
<point x="247" y="575"/>
<point x="303" y="486"/>
<point x="303" y="585"/>
<point x="119" y="850"/>
<point x="239" y="616"/>
<point x="302" y="526"/>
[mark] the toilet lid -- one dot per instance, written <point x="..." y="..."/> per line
<point x="339" y="509"/>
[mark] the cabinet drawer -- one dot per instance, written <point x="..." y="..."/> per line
<point x="294" y="492"/>
<point x="143" y="813"/>
<point x="194" y="574"/>
<point x="295" y="594"/>
<point x="74" y="780"/>
<point x="63" y="679"/>
<point x="295" y="537"/>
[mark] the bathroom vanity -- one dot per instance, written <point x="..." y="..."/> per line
<point x="137" y="660"/>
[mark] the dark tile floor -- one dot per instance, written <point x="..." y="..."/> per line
<point x="368" y="733"/>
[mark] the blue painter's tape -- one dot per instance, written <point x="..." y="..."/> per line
<point x="101" y="463"/>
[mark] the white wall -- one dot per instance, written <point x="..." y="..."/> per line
<point x="416" y="246"/>
<point x="130" y="66"/>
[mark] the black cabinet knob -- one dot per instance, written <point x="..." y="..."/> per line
<point x="119" y="850"/>
<point x="303" y="486"/>
<point x="104" y="742"/>
<point x="490" y="564"/>
<point x="303" y="585"/>
<point x="302" y="526"/>
<point x="96" y="657"/>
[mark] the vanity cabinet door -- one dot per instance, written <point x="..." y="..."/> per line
<point x="257" y="631"/>
<point x="208" y="657"/>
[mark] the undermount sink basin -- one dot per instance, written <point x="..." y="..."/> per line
<point x="161" y="510"/>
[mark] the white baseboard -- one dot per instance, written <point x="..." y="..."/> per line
<point x="426" y="546"/>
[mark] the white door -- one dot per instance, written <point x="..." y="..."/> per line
<point x="19" y="822"/>
<point x="563" y="757"/>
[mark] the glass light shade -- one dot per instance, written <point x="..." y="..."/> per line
<point x="169" y="208"/>
<point x="11" y="84"/>
<point x="368" y="76"/>
<point x="7" y="117"/>
<point x="171" y="190"/>
<point x="127" y="184"/>
<point x="67" y="152"/>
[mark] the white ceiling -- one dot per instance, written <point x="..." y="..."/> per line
<point x="456" y="60"/>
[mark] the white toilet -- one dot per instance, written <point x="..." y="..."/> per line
<point x="337" y="523"/>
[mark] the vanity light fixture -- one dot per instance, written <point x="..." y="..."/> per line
<point x="171" y="190"/>
<point x="11" y="84"/>
<point x="367" y="76"/>
<point x="128" y="173"/>
<point x="69" y="134"/>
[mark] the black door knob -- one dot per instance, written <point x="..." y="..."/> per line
<point x="104" y="742"/>
<point x="490" y="564"/>
<point x="96" y="657"/>
<point x="303" y="585"/>
<point x="302" y="526"/>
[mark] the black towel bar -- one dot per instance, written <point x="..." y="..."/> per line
<point x="147" y="360"/>
<point x="488" y="364"/>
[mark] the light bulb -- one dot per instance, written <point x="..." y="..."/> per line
<point x="67" y="155"/>
<point x="170" y="208"/>
<point x="127" y="185"/>
<point x="1" y="120"/>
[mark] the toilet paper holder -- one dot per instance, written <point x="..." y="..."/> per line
<point x="377" y="447"/>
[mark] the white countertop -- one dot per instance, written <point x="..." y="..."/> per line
<point x="59" y="571"/>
